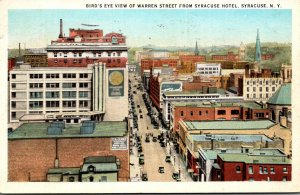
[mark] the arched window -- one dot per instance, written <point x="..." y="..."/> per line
<point x="91" y="179"/>
<point x="114" y="39"/>
<point x="91" y="168"/>
<point x="71" y="179"/>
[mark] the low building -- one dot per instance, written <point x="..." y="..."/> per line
<point x="229" y="57"/>
<point x="208" y="157"/>
<point x="48" y="151"/>
<point x="280" y="105"/>
<point x="148" y="64"/>
<point x="208" y="69"/>
<point x="251" y="167"/>
<point x="200" y="111"/>
<point x="194" y="142"/>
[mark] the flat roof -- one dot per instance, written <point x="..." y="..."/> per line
<point x="39" y="130"/>
<point x="229" y="125"/>
<point x="255" y="159"/>
<point x="71" y="171"/>
<point x="247" y="104"/>
<point x="194" y="92"/>
<point x="233" y="138"/>
<point x="212" y="154"/>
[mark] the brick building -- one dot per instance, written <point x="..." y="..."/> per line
<point x="11" y="63"/>
<point x="36" y="148"/>
<point x="267" y="56"/>
<point x="229" y="57"/>
<point x="83" y="47"/>
<point x="251" y="167"/>
<point x="148" y="64"/>
<point x="208" y="159"/>
<point x="201" y="111"/>
<point x="192" y="58"/>
<point x="36" y="60"/>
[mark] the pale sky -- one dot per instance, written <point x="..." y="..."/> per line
<point x="36" y="28"/>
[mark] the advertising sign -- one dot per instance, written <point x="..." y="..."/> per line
<point x="115" y="83"/>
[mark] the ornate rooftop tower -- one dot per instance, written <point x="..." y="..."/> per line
<point x="196" y="50"/>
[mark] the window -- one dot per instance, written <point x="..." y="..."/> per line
<point x="91" y="179"/>
<point x="35" y="104"/>
<point x="284" y="169"/>
<point x="91" y="168"/>
<point x="69" y="94"/>
<point x="69" y="104"/>
<point x="83" y="103"/>
<point x="83" y="75"/>
<point x="221" y="112"/>
<point x="200" y="113"/>
<point x="83" y="85"/>
<point x="247" y="89"/>
<point x="13" y="76"/>
<point x="273" y="82"/>
<point x="55" y="55"/>
<point x="13" y="104"/>
<point x="69" y="76"/>
<point x="36" y="76"/>
<point x="65" y="54"/>
<point x="260" y="115"/>
<point x="260" y="89"/>
<point x="267" y="82"/>
<point x="75" y="55"/>
<point x="272" y="171"/>
<point x="260" y="170"/>
<point x="238" y="169"/>
<point x="267" y="95"/>
<point x="265" y="170"/>
<point x="35" y="85"/>
<point x="109" y="54"/>
<point x="181" y="113"/>
<point x="273" y="89"/>
<point x="284" y="179"/>
<point x="13" y="94"/>
<point x="250" y="170"/>
<point x="52" y="76"/>
<point x="267" y="89"/>
<point x="80" y="54"/>
<point x="52" y="104"/>
<point x="233" y="112"/>
<point x="54" y="94"/>
<point x="71" y="179"/>
<point x="254" y="89"/>
<point x="36" y="95"/>
<point x="13" y="85"/>
<point x="192" y="113"/>
<point x="13" y="115"/>
<point x="69" y="85"/>
<point x="104" y="178"/>
<point x="83" y="94"/>
<point x="52" y="85"/>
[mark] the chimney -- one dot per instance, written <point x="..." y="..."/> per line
<point x="61" y="29"/>
<point x="19" y="49"/>
<point x="247" y="70"/>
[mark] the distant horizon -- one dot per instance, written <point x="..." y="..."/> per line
<point x="167" y="28"/>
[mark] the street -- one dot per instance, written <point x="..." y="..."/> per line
<point x="154" y="154"/>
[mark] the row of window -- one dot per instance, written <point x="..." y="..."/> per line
<point x="54" y="76"/>
<point x="262" y="170"/>
<point x="260" y="89"/>
<point x="55" y="94"/>
<point x="54" y="85"/>
<point x="54" y="104"/>
<point x="260" y="95"/>
<point x="208" y="68"/>
<point x="220" y="112"/>
<point x="261" y="82"/>
<point x="75" y="55"/>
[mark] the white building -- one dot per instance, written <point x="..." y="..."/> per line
<point x="208" y="69"/>
<point x="68" y="93"/>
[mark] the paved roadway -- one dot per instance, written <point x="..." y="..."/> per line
<point x="154" y="154"/>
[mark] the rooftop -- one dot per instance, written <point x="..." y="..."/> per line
<point x="247" y="104"/>
<point x="229" y="125"/>
<point x="39" y="130"/>
<point x="236" y="138"/>
<point x="100" y="159"/>
<point x="63" y="171"/>
<point x="192" y="92"/>
<point x="212" y="154"/>
<point x="255" y="159"/>
<point x="282" y="96"/>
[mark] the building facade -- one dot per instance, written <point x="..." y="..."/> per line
<point x="208" y="69"/>
<point x="36" y="60"/>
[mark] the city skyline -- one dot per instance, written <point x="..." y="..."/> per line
<point x="180" y="28"/>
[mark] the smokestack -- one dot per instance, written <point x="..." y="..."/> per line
<point x="19" y="49"/>
<point x="61" y="29"/>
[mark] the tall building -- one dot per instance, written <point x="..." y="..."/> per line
<point x="83" y="47"/>
<point x="196" y="50"/>
<point x="242" y="52"/>
<point x="257" y="48"/>
<point x="70" y="94"/>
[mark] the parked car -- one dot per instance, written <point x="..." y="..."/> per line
<point x="141" y="159"/>
<point x="144" y="176"/>
<point x="161" y="169"/>
<point x="154" y="139"/>
<point x="147" y="139"/>
<point x="168" y="158"/>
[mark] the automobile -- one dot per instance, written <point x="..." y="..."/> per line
<point x="163" y="144"/>
<point x="140" y="149"/>
<point x="161" y="169"/>
<point x="168" y="158"/>
<point x="176" y="176"/>
<point x="144" y="176"/>
<point x="156" y="126"/>
<point x="141" y="159"/>
<point x="147" y="139"/>
<point x="138" y="106"/>
<point x="140" y="111"/>
<point x="141" y="116"/>
<point x="154" y="139"/>
<point x="134" y="92"/>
